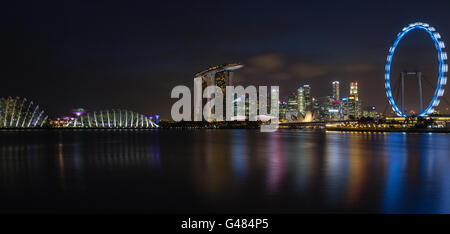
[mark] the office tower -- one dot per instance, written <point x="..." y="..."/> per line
<point x="336" y="94"/>
<point x="354" y="90"/>
<point x="283" y="109"/>
<point x="301" y="101"/>
<point x="274" y="101"/>
<point x="292" y="103"/>
<point x="307" y="97"/>
<point x="324" y="105"/>
<point x="354" y="106"/>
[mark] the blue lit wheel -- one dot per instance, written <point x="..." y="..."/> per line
<point x="443" y="68"/>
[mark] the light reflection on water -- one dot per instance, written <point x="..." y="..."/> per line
<point x="220" y="171"/>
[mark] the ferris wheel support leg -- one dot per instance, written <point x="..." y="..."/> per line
<point x="403" y="92"/>
<point x="419" y="77"/>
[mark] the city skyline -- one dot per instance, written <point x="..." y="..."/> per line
<point x="135" y="64"/>
<point x="226" y="116"/>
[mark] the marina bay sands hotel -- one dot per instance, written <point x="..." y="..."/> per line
<point x="220" y="76"/>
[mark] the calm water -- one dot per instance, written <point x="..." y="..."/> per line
<point x="223" y="171"/>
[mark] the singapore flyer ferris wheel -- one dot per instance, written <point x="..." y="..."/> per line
<point x="443" y="69"/>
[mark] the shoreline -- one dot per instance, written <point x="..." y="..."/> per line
<point x="410" y="130"/>
<point x="407" y="130"/>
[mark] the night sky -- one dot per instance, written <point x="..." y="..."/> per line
<point x="111" y="54"/>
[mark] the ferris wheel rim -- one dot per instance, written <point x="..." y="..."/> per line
<point x="443" y="68"/>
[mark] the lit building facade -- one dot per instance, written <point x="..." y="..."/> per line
<point x="307" y="97"/>
<point x="246" y="102"/>
<point x="220" y="76"/>
<point x="283" y="109"/>
<point x="292" y="103"/>
<point x="301" y="106"/>
<point x="274" y="98"/>
<point x="370" y="111"/>
<point x="354" y="90"/>
<point x="324" y="105"/>
<point x="336" y="93"/>
<point x="343" y="105"/>
<point x="61" y="122"/>
<point x="354" y="105"/>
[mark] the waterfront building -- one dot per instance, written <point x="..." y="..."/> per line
<point x="370" y="111"/>
<point x="61" y="122"/>
<point x="220" y="76"/>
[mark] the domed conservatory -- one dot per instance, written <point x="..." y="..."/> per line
<point x="115" y="118"/>
<point x="20" y="113"/>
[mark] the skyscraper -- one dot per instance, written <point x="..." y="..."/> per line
<point x="354" y="106"/>
<point x="283" y="109"/>
<point x="324" y="107"/>
<point x="292" y="103"/>
<point x="301" y="101"/>
<point x="274" y="101"/>
<point x="307" y="96"/>
<point x="336" y="94"/>
<point x="354" y="90"/>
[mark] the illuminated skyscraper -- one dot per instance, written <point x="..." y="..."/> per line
<point x="354" y="90"/>
<point x="301" y="101"/>
<point x="354" y="106"/>
<point x="274" y="101"/>
<point x="292" y="103"/>
<point x="336" y="94"/>
<point x="307" y="96"/>
<point x="283" y="109"/>
<point x="324" y="105"/>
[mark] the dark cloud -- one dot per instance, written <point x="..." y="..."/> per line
<point x="267" y="62"/>
<point x="309" y="71"/>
